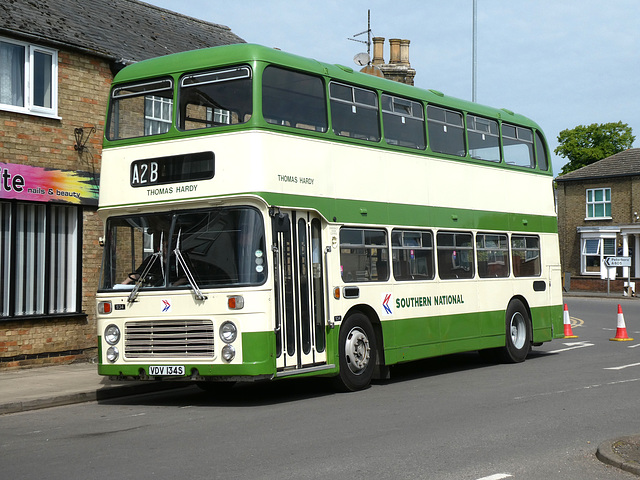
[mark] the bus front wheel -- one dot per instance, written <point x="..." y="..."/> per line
<point x="357" y="350"/>
<point x="518" y="333"/>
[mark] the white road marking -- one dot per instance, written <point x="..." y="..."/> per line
<point x="586" y="387"/>
<point x="497" y="476"/>
<point x="634" y="346"/>
<point x="572" y="346"/>
<point x="622" y="366"/>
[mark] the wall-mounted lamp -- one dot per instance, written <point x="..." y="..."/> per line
<point x="81" y="140"/>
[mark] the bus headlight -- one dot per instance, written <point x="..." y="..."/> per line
<point x="112" y="334"/>
<point x="228" y="353"/>
<point x="112" y="354"/>
<point x="228" y="332"/>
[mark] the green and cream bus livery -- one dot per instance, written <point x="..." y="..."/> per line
<point x="268" y="216"/>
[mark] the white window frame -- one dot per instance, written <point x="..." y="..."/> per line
<point x="600" y="251"/>
<point x="593" y="203"/>
<point x="29" y="81"/>
<point x="153" y="124"/>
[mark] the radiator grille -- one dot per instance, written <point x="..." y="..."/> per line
<point x="169" y="339"/>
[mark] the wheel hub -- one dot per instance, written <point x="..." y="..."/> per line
<point x="357" y="351"/>
<point x="518" y="330"/>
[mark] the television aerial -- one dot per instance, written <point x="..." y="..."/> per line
<point x="363" y="58"/>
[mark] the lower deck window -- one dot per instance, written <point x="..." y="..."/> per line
<point x="215" y="247"/>
<point x="364" y="255"/>
<point x="525" y="255"/>
<point x="455" y="255"/>
<point x="412" y="255"/>
<point x="39" y="266"/>
<point x="493" y="255"/>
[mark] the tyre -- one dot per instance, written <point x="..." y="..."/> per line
<point x="358" y="353"/>
<point x="518" y="333"/>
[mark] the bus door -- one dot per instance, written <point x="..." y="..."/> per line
<point x="299" y="291"/>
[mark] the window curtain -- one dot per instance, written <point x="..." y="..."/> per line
<point x="12" y="74"/>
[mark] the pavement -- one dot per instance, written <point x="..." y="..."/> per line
<point x="35" y="388"/>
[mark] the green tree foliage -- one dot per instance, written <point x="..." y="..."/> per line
<point x="584" y="145"/>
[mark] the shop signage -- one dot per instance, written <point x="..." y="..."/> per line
<point x="37" y="184"/>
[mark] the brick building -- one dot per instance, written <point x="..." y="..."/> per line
<point x="599" y="217"/>
<point x="57" y="60"/>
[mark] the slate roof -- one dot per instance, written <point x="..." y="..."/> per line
<point x="123" y="31"/>
<point x="622" y="164"/>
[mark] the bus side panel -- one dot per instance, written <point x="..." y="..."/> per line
<point x="484" y="330"/>
<point x="547" y="323"/>
<point x="417" y="338"/>
<point x="409" y="339"/>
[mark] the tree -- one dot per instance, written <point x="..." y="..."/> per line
<point x="584" y="145"/>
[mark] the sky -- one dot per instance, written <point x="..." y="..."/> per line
<point x="562" y="63"/>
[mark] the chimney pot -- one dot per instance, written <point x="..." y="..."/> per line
<point x="404" y="52"/>
<point x="378" y="50"/>
<point x="394" y="51"/>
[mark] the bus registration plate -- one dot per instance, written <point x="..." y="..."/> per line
<point x="158" y="371"/>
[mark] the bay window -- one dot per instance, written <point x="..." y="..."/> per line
<point x="593" y="251"/>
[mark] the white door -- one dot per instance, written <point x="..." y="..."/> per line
<point x="300" y="295"/>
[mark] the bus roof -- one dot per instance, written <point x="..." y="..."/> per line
<point x="193" y="60"/>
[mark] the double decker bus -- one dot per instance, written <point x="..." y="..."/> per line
<point x="271" y="216"/>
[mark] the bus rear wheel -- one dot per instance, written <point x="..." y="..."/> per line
<point x="518" y="333"/>
<point x="358" y="353"/>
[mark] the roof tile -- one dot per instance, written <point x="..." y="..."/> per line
<point x="622" y="164"/>
<point x="120" y="30"/>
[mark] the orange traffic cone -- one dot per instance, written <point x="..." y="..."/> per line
<point x="621" y="331"/>
<point x="568" y="333"/>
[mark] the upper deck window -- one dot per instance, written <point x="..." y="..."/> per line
<point x="140" y="109"/>
<point x="518" y="146"/>
<point x="541" y="151"/>
<point x="213" y="98"/>
<point x="354" y="112"/>
<point x="293" y="99"/>
<point x="403" y="122"/>
<point x="446" y="131"/>
<point x="484" y="138"/>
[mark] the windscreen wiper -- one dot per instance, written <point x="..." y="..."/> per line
<point x="147" y="269"/>
<point x="143" y="275"/>
<point x="196" y="290"/>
